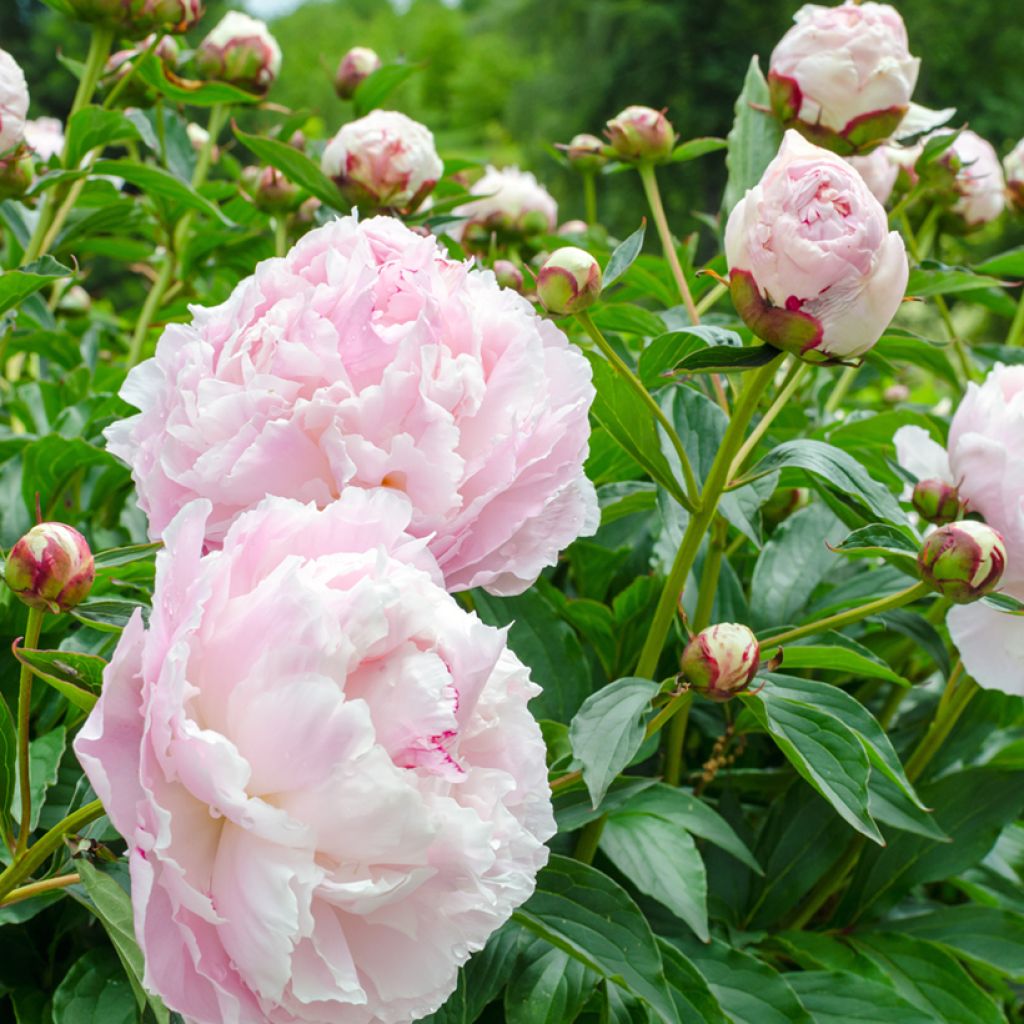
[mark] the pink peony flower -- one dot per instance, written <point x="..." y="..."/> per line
<point x="985" y="459"/>
<point x="979" y="182"/>
<point x="880" y="168"/>
<point x="383" y="160"/>
<point x="813" y="265"/>
<point x="330" y="783"/>
<point x="13" y="102"/>
<point x="366" y="358"/>
<point x="844" y="75"/>
<point x="45" y="137"/>
<point x="240" y="50"/>
<point x="510" y="200"/>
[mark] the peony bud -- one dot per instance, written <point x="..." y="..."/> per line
<point x="16" y="170"/>
<point x="1013" y="166"/>
<point x="137" y="17"/>
<point x="569" y="281"/>
<point x="783" y="503"/>
<point x="814" y="268"/>
<point x="510" y="202"/>
<point x="963" y="561"/>
<point x="843" y="76"/>
<point x="358" y="64"/>
<point x="641" y="135"/>
<point x="13" y="102"/>
<point x="383" y="160"/>
<point x="51" y="568"/>
<point x="240" y="50"/>
<point x="722" y="660"/>
<point x="45" y="137"/>
<point x="586" y="153"/>
<point x="136" y="92"/>
<point x="306" y="213"/>
<point x="508" y="275"/>
<point x="977" y="180"/>
<point x="937" y="502"/>
<point x="573" y="227"/>
<point x="270" y="190"/>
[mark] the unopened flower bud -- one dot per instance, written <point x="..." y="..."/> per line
<point x="586" y="153"/>
<point x="13" y="102"/>
<point x="137" y="17"/>
<point x="1013" y="168"/>
<point x="297" y="140"/>
<point x="120" y="65"/>
<point x="508" y="275"/>
<point x="963" y="561"/>
<point x="573" y="227"/>
<point x="15" y="173"/>
<point x="51" y="568"/>
<point x="783" y="503"/>
<point x="307" y="211"/>
<point x="722" y="660"/>
<point x="936" y="501"/>
<point x="240" y="50"/>
<point x="270" y="190"/>
<point x="569" y="281"/>
<point x="358" y="64"/>
<point x="641" y="135"/>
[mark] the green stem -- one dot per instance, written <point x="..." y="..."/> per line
<point x="882" y="604"/>
<point x="650" y="183"/>
<point x="590" y="197"/>
<point x="32" y="631"/>
<point x="635" y="383"/>
<point x="37" y="854"/>
<point x="829" y="883"/>
<point x="1016" y="334"/>
<point x="701" y="520"/>
<point x="122" y="82"/>
<point x="280" y="235"/>
<point x="791" y="383"/>
<point x="590" y="836"/>
<point x="713" y="295"/>
<point x="678" y="705"/>
<point x="149" y="308"/>
<point x="26" y="892"/>
<point x="839" y="392"/>
<point x="957" y="695"/>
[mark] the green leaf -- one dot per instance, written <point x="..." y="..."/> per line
<point x="627" y="318"/>
<point x="94" y="991"/>
<point x="694" y="1000"/>
<point x="935" y="279"/>
<point x="626" y="498"/>
<point x="160" y="184"/>
<point x="899" y="348"/>
<point x="753" y="140"/>
<point x="747" y="989"/>
<point x="77" y="677"/>
<point x="891" y="806"/>
<point x="583" y="912"/>
<point x="373" y="90"/>
<point x="824" y="751"/>
<point x="93" y="127"/>
<point x="8" y="761"/>
<point x="722" y="359"/>
<point x="879" y="539"/>
<point x="664" y="353"/>
<point x="985" y="935"/>
<point x="295" y="166"/>
<point x="929" y="978"/>
<point x="835" y="997"/>
<point x="624" y="255"/>
<point x="837" y="470"/>
<point x="608" y="730"/>
<point x="49" y="465"/>
<point x="18" y="285"/>
<point x="693" y="148"/>
<point x="115" y="557"/>
<point x="111" y="904"/>
<point x="550" y="988"/>
<point x="107" y="614"/>
<point x="621" y="411"/>
<point x="182" y="90"/>
<point x="1006" y="264"/>
<point x="547" y="645"/>
<point x="44" y="756"/>
<point x="840" y="659"/>
<point x="660" y="858"/>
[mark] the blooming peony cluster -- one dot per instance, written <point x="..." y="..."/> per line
<point x="814" y="268"/>
<point x="13" y="102"/>
<point x="985" y="459"/>
<point x="330" y="783"/>
<point x="383" y="160"/>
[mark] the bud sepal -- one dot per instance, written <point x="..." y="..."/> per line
<point x="963" y="561"/>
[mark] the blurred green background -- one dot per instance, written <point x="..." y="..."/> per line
<point x="503" y="79"/>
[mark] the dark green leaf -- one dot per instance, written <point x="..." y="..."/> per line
<point x="18" y="285"/>
<point x="51" y="462"/>
<point x="839" y="659"/>
<point x="373" y="90"/>
<point x="107" y="614"/>
<point x="664" y="353"/>
<point x="295" y="166"/>
<point x="95" y="991"/>
<point x="624" y="255"/>
<point x="986" y="935"/>
<point x="44" y="756"/>
<point x="8" y="761"/>
<point x="93" y="127"/>
<point x="608" y="730"/>
<point x="116" y="557"/>
<point x="693" y="998"/>
<point x="159" y="184"/>
<point x="693" y="148"/>
<point x="879" y="539"/>
<point x="182" y="90"/>
<point x="935" y="279"/>
<point x="78" y="677"/>
<point x="725" y="360"/>
<point x="891" y="806"/>
<point x="550" y="988"/>
<point x="834" y="997"/>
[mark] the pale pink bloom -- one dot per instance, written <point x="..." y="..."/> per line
<point x="45" y="137"/>
<point x="357" y="65"/>
<point x="510" y="199"/>
<point x="814" y="244"/>
<point x="1013" y="166"/>
<point x="383" y="159"/>
<point x="985" y="460"/>
<point x="847" y="63"/>
<point x="879" y="169"/>
<point x="979" y="181"/>
<point x="367" y="358"/>
<point x="330" y="783"/>
<point x="13" y="102"/>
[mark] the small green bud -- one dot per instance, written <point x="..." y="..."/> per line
<point x="586" y="153"/>
<point x="508" y="275"/>
<point x="937" y="502"/>
<point x="569" y="281"/>
<point x="641" y="135"/>
<point x="963" y="561"/>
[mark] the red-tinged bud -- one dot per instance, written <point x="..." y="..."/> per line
<point x="587" y="153"/>
<point x="51" y="568"/>
<point x="358" y="64"/>
<point x="270" y="190"/>
<point x="722" y="660"/>
<point x="240" y="50"/>
<point x="963" y="561"/>
<point x="307" y="211"/>
<point x="137" y="17"/>
<point x="508" y="275"/>
<point x="573" y="227"/>
<point x="641" y="135"/>
<point x="937" y="502"/>
<point x="569" y="281"/>
<point x="16" y="171"/>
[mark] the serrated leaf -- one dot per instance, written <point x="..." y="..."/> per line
<point x="624" y="254"/>
<point x="608" y="730"/>
<point x="295" y="166"/>
<point x="18" y="285"/>
<point x="583" y="912"/>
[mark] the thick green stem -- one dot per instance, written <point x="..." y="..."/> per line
<point x="831" y="882"/>
<point x="839" y="392"/>
<point x="713" y="295"/>
<point x="650" y="183"/>
<point x="156" y="294"/>
<point x="38" y="853"/>
<point x="718" y="475"/>
<point x="26" y="892"/>
<point x="280" y="235"/>
<point x="32" y="631"/>
<point x="590" y="837"/>
<point x="648" y="399"/>
<point x="837" y="621"/>
<point x="959" y="692"/>
<point x="590" y="197"/>
<point x="791" y="383"/>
